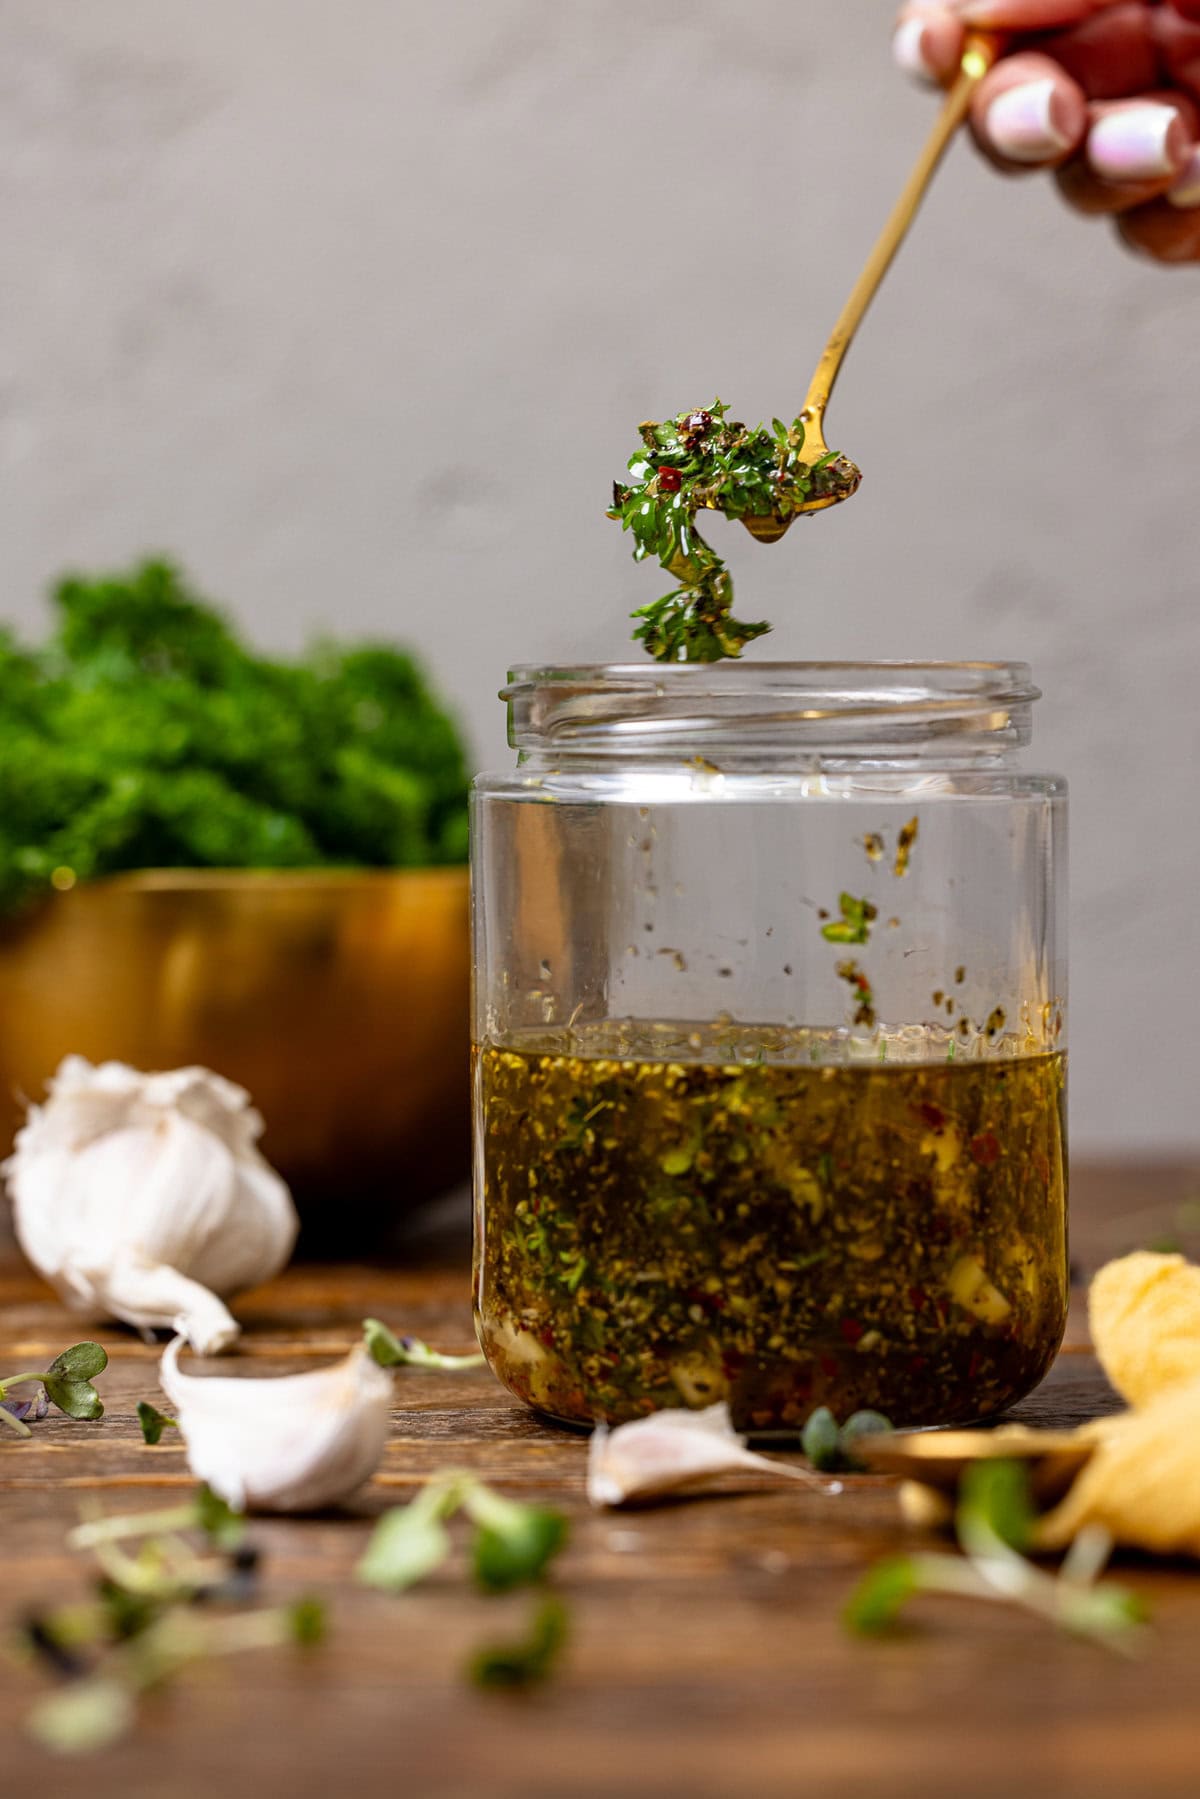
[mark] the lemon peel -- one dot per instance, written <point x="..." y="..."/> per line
<point x="1144" y="1317"/>
<point x="1143" y="1482"/>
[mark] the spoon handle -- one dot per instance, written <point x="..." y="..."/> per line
<point x="981" y="52"/>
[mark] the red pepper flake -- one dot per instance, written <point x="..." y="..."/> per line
<point x="984" y="1149"/>
<point x="851" y="1329"/>
<point x="546" y="1336"/>
<point x="974" y="1365"/>
<point x="669" y="480"/>
<point x="918" y="1298"/>
<point x="829" y="1366"/>
<point x="934" y="1117"/>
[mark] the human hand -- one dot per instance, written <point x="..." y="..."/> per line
<point x="1106" y="93"/>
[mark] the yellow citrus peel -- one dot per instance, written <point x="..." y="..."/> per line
<point x="1143" y="1482"/>
<point x="1144" y="1316"/>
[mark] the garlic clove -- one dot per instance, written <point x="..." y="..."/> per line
<point x="295" y="1443"/>
<point x="145" y="1196"/>
<point x="675" y="1451"/>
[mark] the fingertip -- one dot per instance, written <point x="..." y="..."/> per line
<point x="928" y="45"/>
<point x="1028" y="114"/>
<point x="1138" y="140"/>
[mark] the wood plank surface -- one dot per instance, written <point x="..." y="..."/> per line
<point x="706" y="1655"/>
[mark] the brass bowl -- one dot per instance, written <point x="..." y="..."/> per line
<point x="339" y="999"/>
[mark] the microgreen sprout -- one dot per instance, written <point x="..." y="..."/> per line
<point x="516" y="1666"/>
<point x="141" y="1625"/>
<point x="411" y="1541"/>
<point x="512" y="1544"/>
<point x="700" y="461"/>
<point x="409" y="1352"/>
<point x="830" y="1446"/>
<point x="66" y="1383"/>
<point x="993" y="1522"/>
<point x="100" y="1708"/>
<point x="205" y="1511"/>
<point x="153" y="1422"/>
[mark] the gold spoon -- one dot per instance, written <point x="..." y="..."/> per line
<point x="940" y="1458"/>
<point x="981" y="52"/>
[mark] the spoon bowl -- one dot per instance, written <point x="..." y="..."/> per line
<point x="769" y="527"/>
<point x="939" y="1459"/>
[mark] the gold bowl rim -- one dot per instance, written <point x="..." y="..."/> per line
<point x="177" y="880"/>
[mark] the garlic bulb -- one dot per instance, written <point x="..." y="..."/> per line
<point x="294" y="1443"/>
<point x="673" y="1452"/>
<point x="144" y="1196"/>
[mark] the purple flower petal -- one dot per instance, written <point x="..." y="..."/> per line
<point x="28" y="1410"/>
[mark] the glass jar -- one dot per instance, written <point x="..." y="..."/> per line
<point x="769" y="1043"/>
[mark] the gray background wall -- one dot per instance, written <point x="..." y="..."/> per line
<point x="351" y="307"/>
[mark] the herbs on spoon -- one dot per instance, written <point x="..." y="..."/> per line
<point x="701" y="461"/>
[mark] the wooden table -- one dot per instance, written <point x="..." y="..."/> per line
<point x="706" y="1655"/>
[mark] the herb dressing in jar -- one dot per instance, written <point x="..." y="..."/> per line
<point x="770" y="1051"/>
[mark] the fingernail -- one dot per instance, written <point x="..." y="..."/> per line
<point x="1137" y="143"/>
<point x="1021" y="123"/>
<point x="908" y="49"/>
<point x="1186" y="191"/>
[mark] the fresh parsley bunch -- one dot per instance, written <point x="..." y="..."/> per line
<point x="146" y="734"/>
<point x="699" y="461"/>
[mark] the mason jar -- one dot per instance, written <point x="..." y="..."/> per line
<point x="770" y="1043"/>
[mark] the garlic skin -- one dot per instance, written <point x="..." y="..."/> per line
<point x="295" y="1443"/>
<point x="145" y="1197"/>
<point x="675" y="1451"/>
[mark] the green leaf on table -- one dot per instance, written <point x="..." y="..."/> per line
<point x="77" y="1398"/>
<point x="830" y="1446"/>
<point x="68" y="1380"/>
<point x="821" y="1440"/>
<point x="153" y="1422"/>
<point x="513" y="1542"/>
<point x="86" y="1716"/>
<point x="511" y="1667"/>
<point x="880" y="1595"/>
<point x="994" y="1502"/>
<point x="126" y="1614"/>
<point x="391" y="1351"/>
<point x="408" y="1543"/>
<point x="308" y="1621"/>
<point x="82" y="1362"/>
<point x="857" y="1426"/>
<point x="217" y="1519"/>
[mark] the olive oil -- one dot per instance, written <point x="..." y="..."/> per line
<point x="675" y="1217"/>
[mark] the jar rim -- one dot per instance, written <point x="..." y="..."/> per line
<point x="886" y="682"/>
<point x="855" y="708"/>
